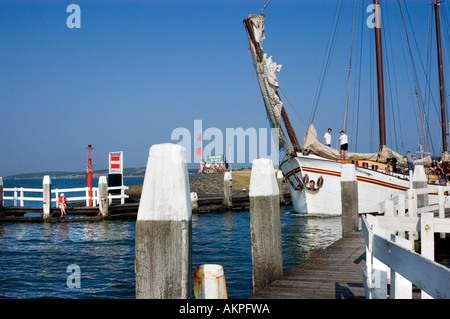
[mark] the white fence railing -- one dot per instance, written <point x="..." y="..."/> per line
<point x="20" y="195"/>
<point x="390" y="255"/>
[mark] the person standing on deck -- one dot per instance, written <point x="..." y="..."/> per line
<point x="344" y="145"/>
<point x="62" y="204"/>
<point x="327" y="138"/>
<point x="410" y="160"/>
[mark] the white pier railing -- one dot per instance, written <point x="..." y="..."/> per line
<point x="390" y="255"/>
<point x="20" y="195"/>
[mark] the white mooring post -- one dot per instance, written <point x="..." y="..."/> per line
<point x="420" y="181"/>
<point x="103" y="203"/>
<point x="164" y="227"/>
<point x="227" y="190"/>
<point x="280" y="178"/>
<point x="194" y="202"/>
<point x="265" y="227"/>
<point x="209" y="282"/>
<point x="47" y="198"/>
<point x="349" y="199"/>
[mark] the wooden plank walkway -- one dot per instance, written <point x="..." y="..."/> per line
<point x="335" y="272"/>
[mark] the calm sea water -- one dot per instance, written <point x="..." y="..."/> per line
<point x="34" y="257"/>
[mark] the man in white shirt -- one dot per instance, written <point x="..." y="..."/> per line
<point x="327" y="138"/>
<point x="344" y="144"/>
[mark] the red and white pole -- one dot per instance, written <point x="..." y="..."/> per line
<point x="89" y="173"/>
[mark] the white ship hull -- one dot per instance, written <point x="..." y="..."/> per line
<point x="373" y="186"/>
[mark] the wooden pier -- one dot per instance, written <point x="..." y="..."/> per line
<point x="332" y="273"/>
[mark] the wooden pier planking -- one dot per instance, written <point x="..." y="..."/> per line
<point x="335" y="272"/>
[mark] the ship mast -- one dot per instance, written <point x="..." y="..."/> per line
<point x="380" y="81"/>
<point x="260" y="56"/>
<point x="445" y="156"/>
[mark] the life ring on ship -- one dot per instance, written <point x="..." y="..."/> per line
<point x="320" y="181"/>
<point x="306" y="179"/>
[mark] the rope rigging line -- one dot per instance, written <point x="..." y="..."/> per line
<point x="327" y="60"/>
<point x="344" y="124"/>
<point x="403" y="12"/>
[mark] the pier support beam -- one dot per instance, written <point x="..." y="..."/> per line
<point x="349" y="199"/>
<point x="103" y="203"/>
<point x="227" y="190"/>
<point x="265" y="227"/>
<point x="164" y="227"/>
<point x="46" y="198"/>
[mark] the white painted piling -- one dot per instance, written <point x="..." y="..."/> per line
<point x="280" y="178"/>
<point x="349" y="199"/>
<point x="194" y="202"/>
<point x="209" y="282"/>
<point x="103" y="203"/>
<point x="265" y="227"/>
<point x="164" y="227"/>
<point x="227" y="190"/>
<point x="46" y="198"/>
<point x="420" y="181"/>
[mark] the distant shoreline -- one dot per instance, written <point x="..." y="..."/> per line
<point x="128" y="172"/>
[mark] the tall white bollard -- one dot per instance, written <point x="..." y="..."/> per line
<point x="227" y="190"/>
<point x="47" y="198"/>
<point x="349" y="199"/>
<point x="209" y="282"/>
<point x="265" y="227"/>
<point x="194" y="202"/>
<point x="103" y="203"/>
<point x="163" y="227"/>
<point x="420" y="181"/>
<point x="280" y="186"/>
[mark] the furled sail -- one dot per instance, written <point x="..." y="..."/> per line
<point x="312" y="144"/>
<point x="266" y="71"/>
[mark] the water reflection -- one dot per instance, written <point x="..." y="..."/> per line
<point x="35" y="256"/>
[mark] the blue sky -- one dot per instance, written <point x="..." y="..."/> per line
<point x="137" y="70"/>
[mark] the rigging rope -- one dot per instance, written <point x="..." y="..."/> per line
<point x="344" y="124"/>
<point x="327" y="60"/>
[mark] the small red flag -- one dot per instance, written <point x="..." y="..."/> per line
<point x="199" y="151"/>
<point x="199" y="138"/>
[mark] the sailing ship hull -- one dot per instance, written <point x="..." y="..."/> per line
<point x="324" y="198"/>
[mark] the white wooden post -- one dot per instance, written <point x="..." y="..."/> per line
<point x="401" y="199"/>
<point x="349" y="199"/>
<point x="194" y="201"/>
<point x="427" y="240"/>
<point x="103" y="197"/>
<point x="265" y="227"/>
<point x="46" y="198"/>
<point x="420" y="181"/>
<point x="401" y="288"/>
<point x="227" y="190"/>
<point x="21" y="197"/>
<point x="15" y="196"/>
<point x="280" y="186"/>
<point x="164" y="227"/>
<point x="209" y="282"/>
